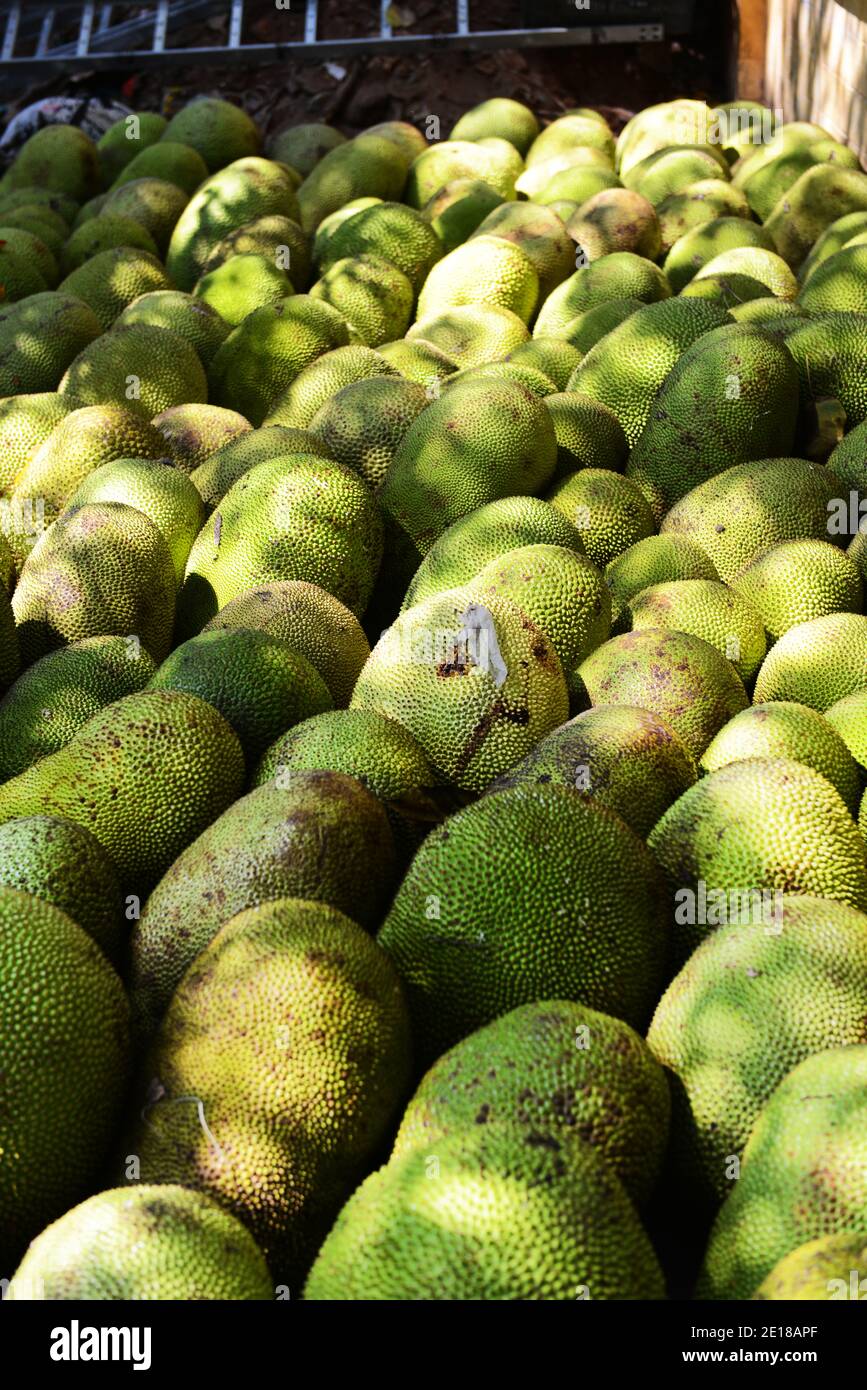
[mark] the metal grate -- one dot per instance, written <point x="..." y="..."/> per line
<point x="113" y="35"/>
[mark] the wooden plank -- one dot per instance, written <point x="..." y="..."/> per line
<point x="752" y="49"/>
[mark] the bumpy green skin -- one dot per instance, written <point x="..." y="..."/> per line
<point x="674" y="674"/>
<point x="472" y="678"/>
<point x="732" y="396"/>
<point x="257" y="682"/>
<point x="472" y="334"/>
<point x="452" y="159"/>
<point x="62" y="863"/>
<point x="313" y="835"/>
<point x="418" y="361"/>
<point x="149" y="367"/>
<point x="59" y="158"/>
<point x="707" y="609"/>
<point x="803" y="1174"/>
<point x="315" y="624"/>
<point x="112" y="279"/>
<point x="620" y="757"/>
<point x="555" y="1070"/>
<point x="562" y="592"/>
<point x="785" y="729"/>
<point x="152" y="486"/>
<point x="654" y="560"/>
<point x="279" y="238"/>
<point x="848" y="717"/>
<point x="607" y="509"/>
<point x="619" y="275"/>
<point x="828" y="353"/>
<point x="501" y="116"/>
<point x="525" y="1222"/>
<point x="297" y="1099"/>
<point x="700" y="244"/>
<point x="125" y="139"/>
<point x="198" y="323"/>
<point x="367" y="166"/>
<point x="39" y="337"/>
<point x="481" y="440"/>
<point x="101" y="570"/>
<point x="10" y="655"/>
<point x="246" y="188"/>
<point x="751" y="1002"/>
<point x="302" y="146"/>
<point x="192" y="433"/>
<point x="315" y="521"/>
<point x="740" y="512"/>
<point x="219" y="130"/>
<point x="584" y="331"/>
<point x="483" y="536"/>
<point x="379" y="753"/>
<point x="628" y="366"/>
<point x="363" y="425"/>
<point x="795" y="581"/>
<point x="145" y="776"/>
<point x="241" y="284"/>
<point x="393" y="231"/>
<point x="815" y="200"/>
<point x="51" y="700"/>
<point x="168" y="159"/>
<point x="371" y="294"/>
<point x="754" y="826"/>
<point x="65" y="1024"/>
<point x="255" y="369"/>
<point x="589" y="435"/>
<point x="507" y="903"/>
<point x="216" y="474"/>
<point x="146" y="1244"/>
<point x="25" y="424"/>
<point x="818" y="662"/>
<point x="104" y="233"/>
<point x="818" y="1270"/>
<point x="552" y="356"/>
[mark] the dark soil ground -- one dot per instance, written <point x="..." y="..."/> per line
<point x="356" y="92"/>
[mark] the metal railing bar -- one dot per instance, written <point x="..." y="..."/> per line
<point x="236" y="23"/>
<point x="87" y="15"/>
<point x="11" y="33"/>
<point x="463" y="16"/>
<point x="311" y="21"/>
<point x="161" y="25"/>
<point x="45" y="34"/>
<point x="385" y="31"/>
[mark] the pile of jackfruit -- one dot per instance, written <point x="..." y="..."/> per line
<point x="433" y="734"/>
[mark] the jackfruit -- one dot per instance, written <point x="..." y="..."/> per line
<point x="628" y="366"/>
<point x="125" y="139"/>
<point x="709" y="610"/>
<point x="739" y="513"/>
<point x="244" y="189"/>
<point x="277" y="238"/>
<point x="488" y="269"/>
<point x="373" y="297"/>
<point x="145" y="775"/>
<point x="458" y="208"/>
<point x="261" y="358"/>
<point x="219" y="130"/>
<point x="505" y="1194"/>
<point x="290" y="1126"/>
<point x="625" y="759"/>
<point x="315" y="520"/>
<point x="226" y="465"/>
<point x="152" y="486"/>
<point x="675" y="675"/>
<point x="846" y="716"/>
<point x="166" y="159"/>
<point x="616" y="219"/>
<point x="392" y="232"/>
<point x="241" y="284"/>
<point x="28" y="246"/>
<point x="796" y="581"/>
<point x="111" y="280"/>
<point x="39" y="337"/>
<point x="25" y="423"/>
<point x="316" y="835"/>
<point x="829" y="355"/>
<point x="762" y="826"/>
<point x="59" y="159"/>
<point x="363" y="425"/>
<point x="817" y="662"/>
<point x="155" y="203"/>
<point x="839" y="283"/>
<point x="573" y="128"/>
<point x="554" y="358"/>
<point x="101" y="570"/>
<point x="699" y="203"/>
<point x="62" y="864"/>
<point x="620" y="275"/>
<point x="51" y="700"/>
<point x="369" y="166"/>
<point x="756" y="998"/>
<point x="482" y="536"/>
<point x="584" y="331"/>
<point x="691" y="252"/>
<point x="302" y="146"/>
<point x="65" y="1024"/>
<point x="834" y="238"/>
<point x="802" y="1175"/>
<point x="502" y="116"/>
<point x="497" y="165"/>
<point x="556" y="1070"/>
<point x="476" y="683"/>
<point x="152" y="1243"/>
<point x="530" y="377"/>
<point x="151" y="368"/>
<point x="731" y="396"/>
<point x="818" y="1270"/>
<point x="481" y="440"/>
<point x="654" y="560"/>
<point x="379" y="753"/>
<point x="105" y="233"/>
<point x="606" y="508"/>
<point x="507" y="904"/>
<point x="821" y="195"/>
<point x="472" y="334"/>
<point x="785" y="729"/>
<point x="193" y="433"/>
<point x="671" y="170"/>
<point x="418" y="361"/>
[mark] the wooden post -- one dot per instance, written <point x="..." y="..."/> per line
<point x="753" y="25"/>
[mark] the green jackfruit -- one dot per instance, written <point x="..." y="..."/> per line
<point x="40" y="337"/>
